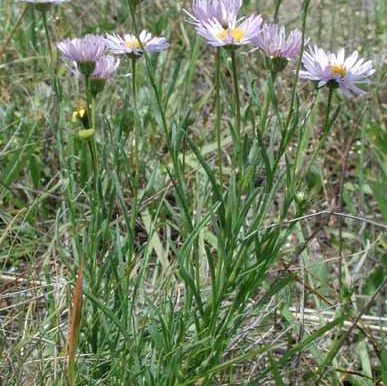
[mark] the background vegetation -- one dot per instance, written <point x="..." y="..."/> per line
<point x="190" y="278"/>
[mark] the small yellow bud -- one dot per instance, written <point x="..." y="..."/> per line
<point x="74" y="116"/>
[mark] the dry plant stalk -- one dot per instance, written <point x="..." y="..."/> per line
<point x="76" y="310"/>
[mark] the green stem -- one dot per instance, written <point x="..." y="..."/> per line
<point x="137" y="135"/>
<point x="329" y="105"/>
<point x="237" y="103"/>
<point x="89" y="100"/>
<point x="324" y="133"/>
<point x="136" y="126"/>
<point x="132" y="8"/>
<point x="294" y="90"/>
<point x="93" y="153"/>
<point x="32" y="32"/>
<point x="134" y="90"/>
<point x="218" y="114"/>
<point x="266" y="106"/>
<point x="57" y="87"/>
<point x="277" y="8"/>
<point x="136" y="121"/>
<point x="46" y="31"/>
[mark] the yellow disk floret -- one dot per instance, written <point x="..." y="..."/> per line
<point x="337" y="69"/>
<point x="133" y="44"/>
<point x="237" y="34"/>
<point x="222" y="34"/>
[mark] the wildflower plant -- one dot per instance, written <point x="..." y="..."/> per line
<point x="219" y="23"/>
<point x="189" y="215"/>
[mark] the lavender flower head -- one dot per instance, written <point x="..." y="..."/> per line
<point x="205" y="10"/>
<point x="334" y="70"/>
<point x="273" y="42"/>
<point x="217" y="21"/>
<point x="105" y="68"/>
<point x="85" y="51"/>
<point x="131" y="45"/>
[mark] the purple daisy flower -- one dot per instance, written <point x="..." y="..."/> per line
<point x="334" y="70"/>
<point x="105" y="68"/>
<point x="86" y="49"/>
<point x="273" y="42"/>
<point x="217" y="21"/>
<point x="226" y="11"/>
<point x="131" y="45"/>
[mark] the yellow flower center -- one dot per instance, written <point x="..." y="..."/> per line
<point x="222" y="34"/>
<point x="337" y="69"/>
<point x="133" y="44"/>
<point x="237" y="34"/>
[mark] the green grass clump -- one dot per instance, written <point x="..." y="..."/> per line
<point x="230" y="224"/>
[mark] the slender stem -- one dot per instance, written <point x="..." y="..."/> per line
<point x="32" y="32"/>
<point x="89" y="101"/>
<point x="218" y="114"/>
<point x="324" y="133"/>
<point x="132" y="8"/>
<point x="46" y="31"/>
<point x="136" y="146"/>
<point x="266" y="106"/>
<point x="92" y="113"/>
<point x="14" y="29"/>
<point x="329" y="105"/>
<point x="237" y="103"/>
<point x="93" y="153"/>
<point x="277" y="8"/>
<point x="57" y="87"/>
<point x="134" y="91"/>
<point x="135" y="185"/>
<point x="94" y="147"/>
<point x="136" y="119"/>
<point x="294" y="90"/>
<point x="347" y="147"/>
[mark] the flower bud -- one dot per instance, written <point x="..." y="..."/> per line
<point x="86" y="134"/>
<point x="86" y="68"/>
<point x="80" y="114"/>
<point x="275" y="64"/>
<point x="96" y="85"/>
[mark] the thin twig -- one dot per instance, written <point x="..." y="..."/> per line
<point x="318" y="214"/>
<point x="331" y="355"/>
<point x="5" y="45"/>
